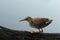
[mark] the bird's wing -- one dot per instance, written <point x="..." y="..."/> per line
<point x="37" y="20"/>
<point x="45" y="19"/>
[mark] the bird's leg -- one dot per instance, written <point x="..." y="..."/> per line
<point x="41" y="30"/>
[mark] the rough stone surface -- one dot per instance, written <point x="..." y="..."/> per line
<point x="8" y="34"/>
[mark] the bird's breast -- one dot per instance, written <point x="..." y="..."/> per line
<point x="31" y="23"/>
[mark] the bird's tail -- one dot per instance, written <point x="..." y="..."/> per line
<point x="48" y="22"/>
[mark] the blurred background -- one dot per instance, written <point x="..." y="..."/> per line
<point x="11" y="11"/>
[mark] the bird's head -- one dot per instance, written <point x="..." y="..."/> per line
<point x="28" y="18"/>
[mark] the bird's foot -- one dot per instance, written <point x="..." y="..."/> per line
<point x="40" y="31"/>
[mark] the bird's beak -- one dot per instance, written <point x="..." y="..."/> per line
<point x="21" y="20"/>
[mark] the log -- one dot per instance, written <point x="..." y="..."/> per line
<point x="9" y="34"/>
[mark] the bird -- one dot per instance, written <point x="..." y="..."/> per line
<point x="38" y="22"/>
